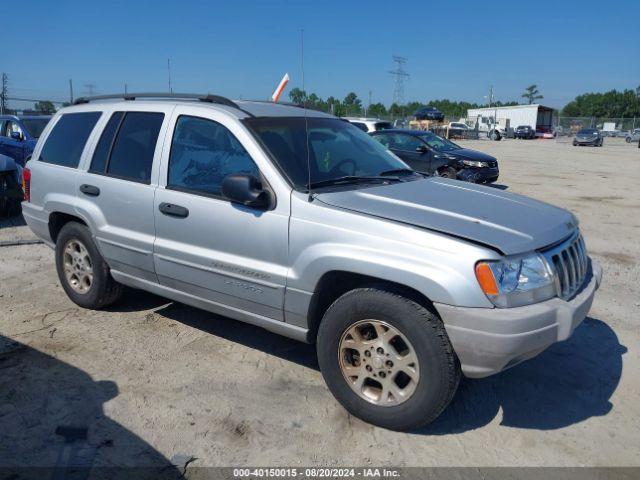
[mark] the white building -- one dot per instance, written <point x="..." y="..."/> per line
<point x="535" y="116"/>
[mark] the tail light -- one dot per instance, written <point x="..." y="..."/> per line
<point x="26" y="184"/>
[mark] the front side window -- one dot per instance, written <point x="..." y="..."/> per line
<point x="203" y="153"/>
<point x="130" y="155"/>
<point x="11" y="127"/>
<point x="408" y="143"/>
<point x="439" y="144"/>
<point x="66" y="141"/>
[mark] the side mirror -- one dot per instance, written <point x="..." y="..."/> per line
<point x="246" y="190"/>
<point x="422" y="149"/>
<point x="17" y="136"/>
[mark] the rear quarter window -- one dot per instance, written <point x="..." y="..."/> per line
<point x="66" y="141"/>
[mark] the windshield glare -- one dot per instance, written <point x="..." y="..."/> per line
<point x="336" y="149"/>
<point x="439" y="144"/>
<point x="35" y="126"/>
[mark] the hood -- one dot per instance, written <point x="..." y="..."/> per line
<point x="471" y="155"/>
<point x="507" y="222"/>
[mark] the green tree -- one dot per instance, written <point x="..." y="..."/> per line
<point x="352" y="104"/>
<point x="45" y="107"/>
<point x="612" y="104"/>
<point x="297" y="96"/>
<point x="377" y="110"/>
<point x="531" y="94"/>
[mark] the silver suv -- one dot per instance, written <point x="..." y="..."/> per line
<point x="300" y="223"/>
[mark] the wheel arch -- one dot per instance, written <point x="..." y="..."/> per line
<point x="335" y="283"/>
<point x="57" y="220"/>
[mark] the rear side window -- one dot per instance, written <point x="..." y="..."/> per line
<point x="66" y="141"/>
<point x="127" y="145"/>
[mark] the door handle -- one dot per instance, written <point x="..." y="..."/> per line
<point x="173" y="210"/>
<point x="90" y="190"/>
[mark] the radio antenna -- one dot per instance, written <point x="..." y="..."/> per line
<point x="306" y="122"/>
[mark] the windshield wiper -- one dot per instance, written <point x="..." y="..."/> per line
<point x="351" y="179"/>
<point x="399" y="171"/>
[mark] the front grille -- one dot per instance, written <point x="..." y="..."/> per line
<point x="570" y="262"/>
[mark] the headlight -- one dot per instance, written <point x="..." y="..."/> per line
<point x="474" y="163"/>
<point x="516" y="281"/>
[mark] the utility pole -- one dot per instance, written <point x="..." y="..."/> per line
<point x="125" y="88"/>
<point x="169" y="72"/>
<point x="4" y="92"/>
<point x="70" y="92"/>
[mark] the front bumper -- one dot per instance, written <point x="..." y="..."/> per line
<point x="479" y="175"/>
<point x="488" y="341"/>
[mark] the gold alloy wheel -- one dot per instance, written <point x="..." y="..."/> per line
<point x="78" y="268"/>
<point x="378" y="362"/>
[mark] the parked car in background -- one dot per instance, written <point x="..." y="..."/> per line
<point x="428" y="153"/>
<point x="588" y="136"/>
<point x="19" y="134"/>
<point x="633" y="136"/>
<point x="524" y="131"/>
<point x="10" y="186"/>
<point x="18" y="137"/>
<point x="457" y="130"/>
<point x="429" y="113"/>
<point x="298" y="223"/>
<point x="369" y="125"/>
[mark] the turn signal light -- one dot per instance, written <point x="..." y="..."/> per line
<point x="486" y="279"/>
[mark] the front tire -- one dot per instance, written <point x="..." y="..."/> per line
<point x="83" y="273"/>
<point x="387" y="359"/>
<point x="448" y="172"/>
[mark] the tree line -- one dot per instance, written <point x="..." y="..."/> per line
<point x="351" y="105"/>
<point x="612" y="104"/>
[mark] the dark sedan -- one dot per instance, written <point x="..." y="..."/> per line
<point x="524" y="131"/>
<point x="429" y="113"/>
<point x="428" y="153"/>
<point x="588" y="136"/>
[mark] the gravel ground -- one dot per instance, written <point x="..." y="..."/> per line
<point x="153" y="382"/>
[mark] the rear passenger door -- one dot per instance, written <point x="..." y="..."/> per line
<point x="117" y="188"/>
<point x="227" y="254"/>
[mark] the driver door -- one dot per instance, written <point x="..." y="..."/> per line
<point x="233" y="257"/>
<point x="413" y="151"/>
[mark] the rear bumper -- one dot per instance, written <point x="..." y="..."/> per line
<point x="488" y="341"/>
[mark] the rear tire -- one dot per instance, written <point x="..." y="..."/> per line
<point x="375" y="325"/>
<point x="628" y="139"/>
<point x="83" y="273"/>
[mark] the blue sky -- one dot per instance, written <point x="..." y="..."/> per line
<point x="455" y="49"/>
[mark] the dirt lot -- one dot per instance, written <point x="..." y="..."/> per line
<point x="150" y="381"/>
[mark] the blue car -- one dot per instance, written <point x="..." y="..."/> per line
<point x="18" y="137"/>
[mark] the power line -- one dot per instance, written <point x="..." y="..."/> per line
<point x="400" y="75"/>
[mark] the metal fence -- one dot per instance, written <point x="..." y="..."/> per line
<point x="566" y="127"/>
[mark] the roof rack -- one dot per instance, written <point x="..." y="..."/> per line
<point x="190" y="96"/>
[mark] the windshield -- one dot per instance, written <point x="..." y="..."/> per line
<point x="588" y="131"/>
<point x="35" y="126"/>
<point x="439" y="144"/>
<point x="383" y="126"/>
<point x="336" y="149"/>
